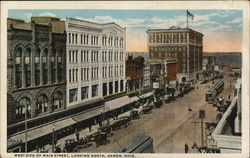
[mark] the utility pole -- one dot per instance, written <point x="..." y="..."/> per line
<point x="26" y="143"/>
<point x="202" y="116"/>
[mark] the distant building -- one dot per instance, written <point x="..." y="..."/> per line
<point x="95" y="61"/>
<point x="145" y="55"/>
<point x="184" y="45"/>
<point x="208" y="63"/>
<point x="146" y="76"/>
<point x="36" y="69"/>
<point x="134" y="73"/>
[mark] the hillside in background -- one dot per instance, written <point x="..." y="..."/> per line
<point x="231" y="59"/>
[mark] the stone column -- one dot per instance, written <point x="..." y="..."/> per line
<point x="41" y="69"/>
<point x="49" y="65"/>
<point x="33" y="108"/>
<point x="33" y="67"/>
<point x="56" y="64"/>
<point x="23" y="72"/>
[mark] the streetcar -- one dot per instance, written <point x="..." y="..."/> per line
<point x="142" y="144"/>
<point x="215" y="90"/>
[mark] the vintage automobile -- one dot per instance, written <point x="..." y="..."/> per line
<point x="147" y="109"/>
<point x="106" y="128"/>
<point x="210" y="125"/>
<point x="101" y="138"/>
<point x="134" y="114"/>
<point x="121" y="122"/>
<point x="158" y="103"/>
<point x="70" y="146"/>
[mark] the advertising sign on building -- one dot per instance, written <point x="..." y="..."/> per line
<point x="155" y="84"/>
<point x="216" y="68"/>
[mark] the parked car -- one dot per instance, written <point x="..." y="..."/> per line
<point x="121" y="122"/>
<point x="106" y="128"/>
<point x="70" y="146"/>
<point x="147" y="109"/>
<point x="134" y="114"/>
<point x="158" y="103"/>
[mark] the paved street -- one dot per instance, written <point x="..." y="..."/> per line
<point x="170" y="126"/>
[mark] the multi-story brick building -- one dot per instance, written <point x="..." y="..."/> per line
<point x="134" y="73"/>
<point x="95" y="61"/>
<point x="182" y="44"/>
<point x="36" y="66"/>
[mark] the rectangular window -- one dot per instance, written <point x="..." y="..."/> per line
<point x="70" y="75"/>
<point x="104" y="89"/>
<point x="94" y="90"/>
<point x="76" y="55"/>
<point x="69" y="37"/>
<point x="19" y="79"/>
<point x="53" y="75"/>
<point x="73" y="95"/>
<point x="76" y="38"/>
<point x="69" y="56"/>
<point x="60" y="75"/>
<point x="121" y="85"/>
<point x="87" y="74"/>
<point x="85" y="92"/>
<point x="116" y="86"/>
<point x="27" y="77"/>
<point x="81" y="38"/>
<point x="45" y="76"/>
<point x="110" y="87"/>
<point x="37" y="77"/>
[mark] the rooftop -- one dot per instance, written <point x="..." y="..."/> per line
<point x="57" y="25"/>
<point x="173" y="28"/>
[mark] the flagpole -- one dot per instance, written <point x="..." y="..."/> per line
<point x="187" y="17"/>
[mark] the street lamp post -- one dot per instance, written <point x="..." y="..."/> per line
<point x="53" y="138"/>
<point x="26" y="143"/>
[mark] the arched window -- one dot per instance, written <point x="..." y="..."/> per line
<point x="23" y="104"/>
<point x="57" y="100"/>
<point x="41" y="104"/>
<point x="37" y="56"/>
<point x="45" y="55"/>
<point x="18" y="56"/>
<point x="59" y="56"/>
<point x="27" y="56"/>
<point x="53" y="55"/>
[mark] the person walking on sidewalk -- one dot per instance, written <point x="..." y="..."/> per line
<point x="186" y="148"/>
<point x="77" y="135"/>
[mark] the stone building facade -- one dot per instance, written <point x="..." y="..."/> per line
<point x="36" y="67"/>
<point x="95" y="61"/>
<point x="182" y="44"/>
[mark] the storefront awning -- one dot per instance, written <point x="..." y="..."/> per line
<point x="146" y="95"/>
<point x="42" y="131"/>
<point x="135" y="98"/>
<point x="117" y="103"/>
<point x="88" y="115"/>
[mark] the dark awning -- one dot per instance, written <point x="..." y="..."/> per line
<point x="42" y="131"/>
